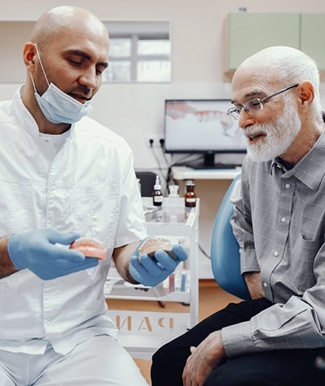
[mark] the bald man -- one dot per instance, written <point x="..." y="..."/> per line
<point x="278" y="337"/>
<point x="63" y="175"/>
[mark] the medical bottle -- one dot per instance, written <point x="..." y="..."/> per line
<point x="190" y="195"/>
<point x="157" y="196"/>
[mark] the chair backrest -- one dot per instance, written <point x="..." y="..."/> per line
<point x="147" y="182"/>
<point x="225" y="257"/>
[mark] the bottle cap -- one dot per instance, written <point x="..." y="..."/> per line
<point x="157" y="185"/>
<point x="190" y="183"/>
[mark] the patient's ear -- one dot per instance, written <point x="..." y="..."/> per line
<point x="306" y="93"/>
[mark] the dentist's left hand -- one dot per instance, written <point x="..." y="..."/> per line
<point x="151" y="271"/>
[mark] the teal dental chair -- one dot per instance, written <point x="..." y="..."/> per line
<point x="225" y="258"/>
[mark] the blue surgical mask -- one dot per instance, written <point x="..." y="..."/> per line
<point x="57" y="106"/>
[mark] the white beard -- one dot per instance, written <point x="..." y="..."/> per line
<point x="279" y="135"/>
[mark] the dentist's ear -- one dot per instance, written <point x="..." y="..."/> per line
<point x="29" y="53"/>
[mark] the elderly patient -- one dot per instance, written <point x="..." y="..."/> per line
<point x="279" y="221"/>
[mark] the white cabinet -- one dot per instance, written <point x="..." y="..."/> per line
<point x="143" y="332"/>
<point x="248" y="33"/>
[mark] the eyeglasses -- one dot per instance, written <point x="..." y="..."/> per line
<point x="255" y="104"/>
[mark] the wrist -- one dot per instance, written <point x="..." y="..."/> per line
<point x="129" y="277"/>
<point x="6" y="265"/>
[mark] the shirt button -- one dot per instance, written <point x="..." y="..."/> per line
<point x="264" y="285"/>
<point x="287" y="186"/>
<point x="276" y="253"/>
<point x="283" y="219"/>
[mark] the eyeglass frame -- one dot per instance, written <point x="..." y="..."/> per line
<point x="234" y="112"/>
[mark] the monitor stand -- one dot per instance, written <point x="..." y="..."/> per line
<point x="209" y="163"/>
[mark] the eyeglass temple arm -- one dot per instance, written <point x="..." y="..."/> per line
<point x="279" y="92"/>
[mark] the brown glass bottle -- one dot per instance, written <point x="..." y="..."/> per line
<point x="190" y="195"/>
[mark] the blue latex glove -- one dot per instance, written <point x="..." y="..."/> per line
<point x="151" y="271"/>
<point x="36" y="251"/>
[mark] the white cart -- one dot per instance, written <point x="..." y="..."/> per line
<point x="143" y="332"/>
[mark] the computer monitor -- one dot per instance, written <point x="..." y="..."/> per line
<point x="202" y="126"/>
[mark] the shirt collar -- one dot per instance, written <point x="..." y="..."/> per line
<point x="24" y="117"/>
<point x="310" y="169"/>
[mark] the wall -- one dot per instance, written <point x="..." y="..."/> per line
<point x="198" y="49"/>
<point x="136" y="110"/>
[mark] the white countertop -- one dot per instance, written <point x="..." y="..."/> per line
<point x="187" y="173"/>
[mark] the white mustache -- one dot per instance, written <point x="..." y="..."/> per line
<point x="254" y="131"/>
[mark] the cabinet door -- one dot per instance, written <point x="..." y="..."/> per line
<point x="251" y="32"/>
<point x="312" y="37"/>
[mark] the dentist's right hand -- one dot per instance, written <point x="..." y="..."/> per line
<point x="36" y="251"/>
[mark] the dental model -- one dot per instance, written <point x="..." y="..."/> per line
<point x="153" y="244"/>
<point x="90" y="247"/>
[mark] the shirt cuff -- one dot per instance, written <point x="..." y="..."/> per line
<point x="248" y="262"/>
<point x="237" y="339"/>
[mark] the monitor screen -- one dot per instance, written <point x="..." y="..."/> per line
<point x="201" y="126"/>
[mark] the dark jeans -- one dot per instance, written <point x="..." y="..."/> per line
<point x="280" y="367"/>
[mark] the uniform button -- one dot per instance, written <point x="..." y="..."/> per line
<point x="287" y="186"/>
<point x="283" y="219"/>
<point x="264" y="285"/>
<point x="276" y="253"/>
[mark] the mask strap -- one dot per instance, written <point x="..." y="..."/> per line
<point x="31" y="76"/>
<point x="39" y="58"/>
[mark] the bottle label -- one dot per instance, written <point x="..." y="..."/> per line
<point x="190" y="199"/>
<point x="157" y="198"/>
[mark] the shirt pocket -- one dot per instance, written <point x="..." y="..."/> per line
<point x="302" y="264"/>
<point x="90" y="209"/>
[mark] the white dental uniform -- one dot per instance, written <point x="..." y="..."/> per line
<point x="86" y="185"/>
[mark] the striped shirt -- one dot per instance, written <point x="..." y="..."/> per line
<point x="279" y="222"/>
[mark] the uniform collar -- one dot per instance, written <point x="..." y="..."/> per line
<point x="24" y="117"/>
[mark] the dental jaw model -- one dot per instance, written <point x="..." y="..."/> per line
<point x="153" y="244"/>
<point x="90" y="247"/>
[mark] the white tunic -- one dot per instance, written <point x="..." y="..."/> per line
<point x="88" y="186"/>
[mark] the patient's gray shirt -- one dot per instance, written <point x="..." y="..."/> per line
<point x="279" y="222"/>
